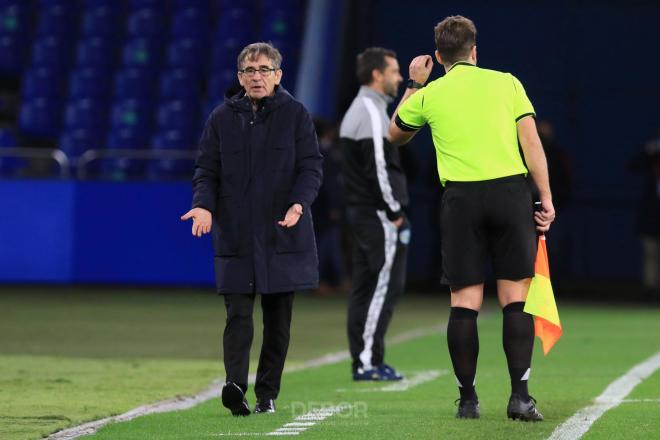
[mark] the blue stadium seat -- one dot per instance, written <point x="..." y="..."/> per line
<point x="95" y="52"/>
<point x="235" y="23"/>
<point x="146" y="23"/>
<point x="14" y="17"/>
<point x="57" y="19"/>
<point x="43" y="82"/>
<point x="9" y="166"/>
<point x="224" y="54"/>
<point x="179" y="84"/>
<point x="141" y="52"/>
<point x="75" y="142"/>
<point x="145" y="4"/>
<point x="89" y="114"/>
<point x="220" y="82"/>
<point x="133" y="114"/>
<point x="50" y="51"/>
<point x="186" y="53"/>
<point x="202" y="5"/>
<point x="190" y="23"/>
<point x="291" y="6"/>
<point x="49" y="3"/>
<point x="133" y="82"/>
<point x="222" y="6"/>
<point x="178" y="114"/>
<point x="39" y="117"/>
<point x="171" y="168"/>
<point x="101" y="21"/>
<point x="7" y="138"/>
<point x="12" y="54"/>
<point x="127" y="138"/>
<point x="113" y="4"/>
<point x="89" y="82"/>
<point x="171" y="140"/>
<point x="279" y="24"/>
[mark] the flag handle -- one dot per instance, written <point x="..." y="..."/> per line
<point x="537" y="208"/>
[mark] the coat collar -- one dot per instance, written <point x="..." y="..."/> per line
<point x="241" y="102"/>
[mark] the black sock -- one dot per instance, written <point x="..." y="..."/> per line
<point x="463" y="342"/>
<point x="518" y="341"/>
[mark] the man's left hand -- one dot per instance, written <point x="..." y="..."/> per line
<point x="292" y="216"/>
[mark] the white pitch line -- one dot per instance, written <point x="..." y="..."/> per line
<point x="640" y="400"/>
<point x="213" y="391"/>
<point x="318" y="415"/>
<point x="614" y="394"/>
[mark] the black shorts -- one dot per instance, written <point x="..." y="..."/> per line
<point x="490" y="218"/>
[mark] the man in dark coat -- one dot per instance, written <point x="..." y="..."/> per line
<point x="258" y="170"/>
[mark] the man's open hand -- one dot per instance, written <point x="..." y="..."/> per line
<point x="292" y="216"/>
<point x="201" y="221"/>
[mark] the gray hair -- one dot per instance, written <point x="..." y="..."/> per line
<point x="254" y="50"/>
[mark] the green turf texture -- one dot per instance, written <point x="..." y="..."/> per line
<point x="138" y="347"/>
<point x="73" y="355"/>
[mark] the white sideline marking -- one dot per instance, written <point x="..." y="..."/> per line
<point x="614" y="394"/>
<point x="318" y="414"/>
<point x="213" y="391"/>
<point x="402" y="385"/>
<point x="640" y="400"/>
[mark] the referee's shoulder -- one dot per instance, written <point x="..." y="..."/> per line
<point x="496" y="73"/>
<point x="505" y="77"/>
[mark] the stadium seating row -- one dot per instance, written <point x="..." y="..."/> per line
<point x="131" y="74"/>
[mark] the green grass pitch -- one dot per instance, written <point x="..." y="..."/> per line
<point x="70" y="356"/>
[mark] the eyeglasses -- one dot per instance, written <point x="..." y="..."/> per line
<point x="251" y="71"/>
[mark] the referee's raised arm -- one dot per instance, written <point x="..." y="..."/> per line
<point x="420" y="68"/>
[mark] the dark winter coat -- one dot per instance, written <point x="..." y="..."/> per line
<point x="251" y="167"/>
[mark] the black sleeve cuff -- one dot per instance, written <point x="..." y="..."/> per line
<point x="526" y="114"/>
<point x="394" y="215"/>
<point x="403" y="126"/>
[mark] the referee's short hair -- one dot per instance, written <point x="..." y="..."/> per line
<point x="372" y="58"/>
<point x="454" y="38"/>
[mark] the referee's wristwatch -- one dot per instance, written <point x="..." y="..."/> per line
<point x="412" y="84"/>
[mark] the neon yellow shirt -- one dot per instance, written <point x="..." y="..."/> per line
<point x="472" y="113"/>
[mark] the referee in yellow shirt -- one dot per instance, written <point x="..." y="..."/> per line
<point x="477" y="119"/>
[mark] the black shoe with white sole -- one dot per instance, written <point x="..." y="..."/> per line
<point x="233" y="398"/>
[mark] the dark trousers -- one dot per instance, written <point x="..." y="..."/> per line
<point x="237" y="340"/>
<point x="379" y="277"/>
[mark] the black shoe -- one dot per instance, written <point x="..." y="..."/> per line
<point x="234" y="399"/>
<point x="264" y="406"/>
<point x="467" y="409"/>
<point x="523" y="409"/>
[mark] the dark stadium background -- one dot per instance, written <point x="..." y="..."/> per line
<point x="134" y="80"/>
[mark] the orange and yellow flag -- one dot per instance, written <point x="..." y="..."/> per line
<point x="541" y="301"/>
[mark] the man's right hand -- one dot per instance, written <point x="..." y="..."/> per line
<point x="420" y="68"/>
<point x="398" y="222"/>
<point x="201" y="221"/>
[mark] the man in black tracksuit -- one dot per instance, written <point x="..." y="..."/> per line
<point x="376" y="195"/>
